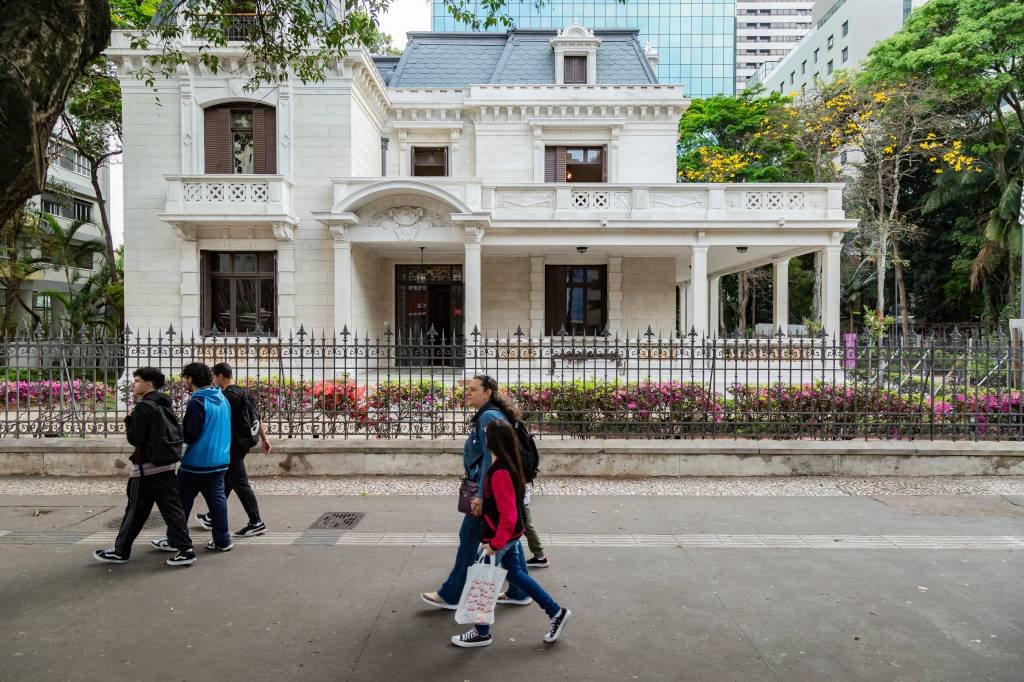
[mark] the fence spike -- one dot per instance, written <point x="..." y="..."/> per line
<point x="519" y="333"/>
<point x="476" y="334"/>
<point x="301" y="333"/>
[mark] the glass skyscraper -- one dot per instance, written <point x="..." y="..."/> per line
<point x="695" y="39"/>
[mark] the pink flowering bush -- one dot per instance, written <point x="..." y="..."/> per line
<point x="51" y="394"/>
<point x="665" y="408"/>
<point x="985" y="415"/>
<point x="825" y="410"/>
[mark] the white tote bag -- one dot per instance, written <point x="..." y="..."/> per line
<point x="480" y="595"/>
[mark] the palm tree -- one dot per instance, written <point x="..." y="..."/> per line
<point x="63" y="248"/>
<point x="18" y="265"/>
<point x="996" y="192"/>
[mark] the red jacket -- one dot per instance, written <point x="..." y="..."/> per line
<point x="502" y="518"/>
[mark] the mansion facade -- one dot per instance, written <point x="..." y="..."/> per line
<point x="488" y="182"/>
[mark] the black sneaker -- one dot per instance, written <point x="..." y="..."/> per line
<point x="184" y="557"/>
<point x="109" y="556"/>
<point x="471" y="639"/>
<point x="205" y="521"/>
<point x="538" y="562"/>
<point x="162" y="545"/>
<point x="251" y="530"/>
<point x="557" y="625"/>
<point x="213" y="546"/>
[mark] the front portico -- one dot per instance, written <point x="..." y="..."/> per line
<point x="636" y="247"/>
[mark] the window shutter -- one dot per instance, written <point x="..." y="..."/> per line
<point x="604" y="163"/>
<point x="204" y="291"/>
<point x="549" y="164"/>
<point x="554" y="299"/>
<point x="217" y="143"/>
<point x="259" y="140"/>
<point x="270" y="120"/>
<point x="559" y="164"/>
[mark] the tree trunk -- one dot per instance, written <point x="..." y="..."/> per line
<point x="109" y="239"/>
<point x="901" y="290"/>
<point x="46" y="45"/>
<point x="10" y="302"/>
<point x="880" y="268"/>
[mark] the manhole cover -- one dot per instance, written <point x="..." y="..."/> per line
<point x="154" y="521"/>
<point x="338" y="520"/>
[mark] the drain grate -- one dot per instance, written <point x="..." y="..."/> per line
<point x="338" y="520"/>
<point x="154" y="521"/>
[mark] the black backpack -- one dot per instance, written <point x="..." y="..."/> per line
<point x="165" y="437"/>
<point x="528" y="447"/>
<point x="245" y="420"/>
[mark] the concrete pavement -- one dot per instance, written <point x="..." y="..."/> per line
<point x="672" y="588"/>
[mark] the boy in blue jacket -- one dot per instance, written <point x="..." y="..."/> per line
<point x="207" y="434"/>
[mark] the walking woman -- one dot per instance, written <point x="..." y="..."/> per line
<point x="503" y="526"/>
<point x="482" y="396"/>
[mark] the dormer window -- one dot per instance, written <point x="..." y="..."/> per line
<point x="575" y="70"/>
<point x="575" y="50"/>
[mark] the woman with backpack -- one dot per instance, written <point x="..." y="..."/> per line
<point x="481" y="395"/>
<point x="502" y="515"/>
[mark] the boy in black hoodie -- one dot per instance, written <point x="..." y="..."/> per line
<point x="153" y="428"/>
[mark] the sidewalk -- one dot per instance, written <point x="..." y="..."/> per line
<point x="890" y="587"/>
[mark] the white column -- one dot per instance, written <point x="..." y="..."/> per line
<point x="404" y="152"/>
<point x="285" y="288"/>
<point x="714" y="309"/>
<point x="342" y="279"/>
<point x="190" y="317"/>
<point x="830" y="294"/>
<point x="472" y="279"/>
<point x="537" y="297"/>
<point x="615" y="296"/>
<point x="780" y="296"/>
<point x="683" y="291"/>
<point x="699" y="289"/>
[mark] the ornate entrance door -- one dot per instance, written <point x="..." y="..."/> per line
<point x="429" y="302"/>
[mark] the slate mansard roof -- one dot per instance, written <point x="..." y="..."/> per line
<point x="525" y="57"/>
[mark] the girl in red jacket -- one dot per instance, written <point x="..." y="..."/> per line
<point x="502" y="519"/>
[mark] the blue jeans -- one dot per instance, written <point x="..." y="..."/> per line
<point x="512" y="560"/>
<point x="469" y="550"/>
<point x="211" y="486"/>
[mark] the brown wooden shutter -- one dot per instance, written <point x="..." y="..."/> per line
<point x="554" y="298"/>
<point x="217" y="142"/>
<point x="604" y="163"/>
<point x="259" y="140"/>
<point x="549" y="164"/>
<point x="559" y="164"/>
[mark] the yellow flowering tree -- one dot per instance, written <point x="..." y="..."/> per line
<point x="902" y="129"/>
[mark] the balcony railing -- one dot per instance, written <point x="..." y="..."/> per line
<point x="226" y="196"/>
<point x="710" y="202"/>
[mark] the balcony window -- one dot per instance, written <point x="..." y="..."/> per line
<point x="575" y="164"/>
<point x="239" y="292"/>
<point x="576" y="299"/>
<point x="82" y="211"/>
<point x="430" y="161"/>
<point x="240" y="138"/>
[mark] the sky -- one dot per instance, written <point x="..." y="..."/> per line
<point x="402" y="16"/>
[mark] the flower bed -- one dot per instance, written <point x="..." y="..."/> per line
<point x="645" y="409"/>
<point x="45" y="394"/>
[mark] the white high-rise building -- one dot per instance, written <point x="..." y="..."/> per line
<point x="766" y="30"/>
<point x="844" y="32"/>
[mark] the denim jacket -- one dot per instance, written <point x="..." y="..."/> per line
<point x="476" y="458"/>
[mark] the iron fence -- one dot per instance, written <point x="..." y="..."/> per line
<point x="322" y="385"/>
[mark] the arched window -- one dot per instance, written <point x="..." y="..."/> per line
<point x="240" y="137"/>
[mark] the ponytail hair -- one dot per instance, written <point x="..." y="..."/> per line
<point x="510" y="411"/>
<point x="503" y="442"/>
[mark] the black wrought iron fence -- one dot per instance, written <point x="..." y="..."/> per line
<point x="346" y="385"/>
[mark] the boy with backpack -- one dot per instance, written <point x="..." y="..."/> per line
<point x="246" y="431"/>
<point x="153" y="428"/>
<point x="531" y="465"/>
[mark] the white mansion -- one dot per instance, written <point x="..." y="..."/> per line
<point x="489" y="181"/>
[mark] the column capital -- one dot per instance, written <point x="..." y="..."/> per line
<point x="474" y="234"/>
<point x="340" y="234"/>
<point x="184" y="231"/>
<point x="284" y="232"/>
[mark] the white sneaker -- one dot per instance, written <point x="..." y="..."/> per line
<point x="162" y="545"/>
<point x="557" y="625"/>
<point x="471" y="639"/>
